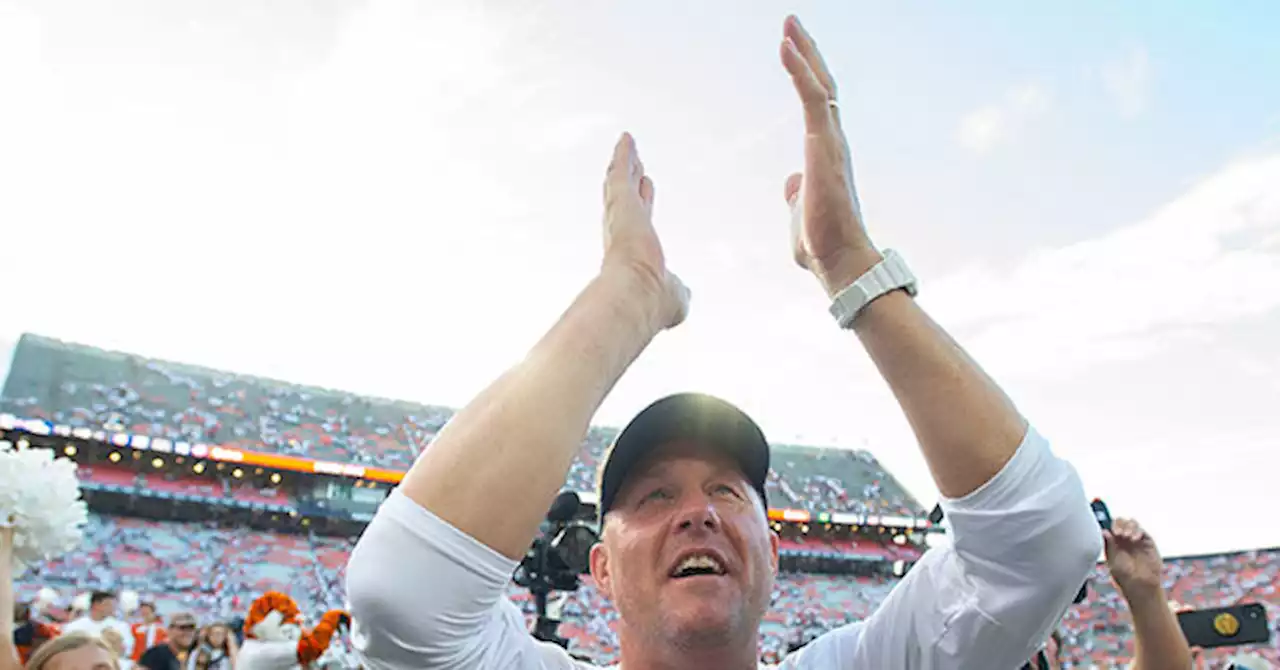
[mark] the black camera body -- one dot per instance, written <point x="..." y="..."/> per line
<point x="559" y="556"/>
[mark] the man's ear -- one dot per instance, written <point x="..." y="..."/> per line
<point x="773" y="550"/>
<point x="600" y="569"/>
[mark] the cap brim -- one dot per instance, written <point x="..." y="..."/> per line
<point x="697" y="419"/>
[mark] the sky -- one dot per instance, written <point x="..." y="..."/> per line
<point x="397" y="198"/>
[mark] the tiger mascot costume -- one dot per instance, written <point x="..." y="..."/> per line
<point x="275" y="640"/>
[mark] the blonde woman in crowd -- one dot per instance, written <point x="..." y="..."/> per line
<point x="74" y="651"/>
<point x="116" y="643"/>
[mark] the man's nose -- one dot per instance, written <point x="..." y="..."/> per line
<point x="699" y="516"/>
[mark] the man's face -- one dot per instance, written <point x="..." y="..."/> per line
<point x="103" y="608"/>
<point x="688" y="502"/>
<point x="147" y="612"/>
<point x="182" y="631"/>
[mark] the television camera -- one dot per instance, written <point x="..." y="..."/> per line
<point x="559" y="555"/>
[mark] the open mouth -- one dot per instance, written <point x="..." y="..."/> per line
<point x="698" y="565"/>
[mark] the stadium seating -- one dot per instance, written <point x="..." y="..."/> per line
<point x="216" y="572"/>
<point x="91" y="388"/>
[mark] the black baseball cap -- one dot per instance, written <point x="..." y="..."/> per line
<point x="695" y="417"/>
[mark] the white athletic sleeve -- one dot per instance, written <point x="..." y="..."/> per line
<point x="425" y="595"/>
<point x="1021" y="547"/>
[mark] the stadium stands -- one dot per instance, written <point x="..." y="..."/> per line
<point x="215" y="569"/>
<point x="218" y="571"/>
<point x="86" y="387"/>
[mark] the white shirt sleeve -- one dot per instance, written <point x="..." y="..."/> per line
<point x="1021" y="546"/>
<point x="425" y="595"/>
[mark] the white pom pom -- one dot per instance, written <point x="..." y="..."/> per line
<point x="40" y="499"/>
<point x="46" y="596"/>
<point x="129" y="601"/>
<point x="81" y="602"/>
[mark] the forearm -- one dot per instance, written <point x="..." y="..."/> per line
<point x="1158" y="639"/>
<point x="8" y="651"/>
<point x="521" y="434"/>
<point x="967" y="427"/>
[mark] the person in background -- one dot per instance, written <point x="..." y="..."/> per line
<point x="148" y="632"/>
<point x="200" y="659"/>
<point x="1138" y="572"/>
<point x="217" y="646"/>
<point x="1049" y="658"/>
<point x="173" y="653"/>
<point x="101" y="615"/>
<point x="1248" y="662"/>
<point x="74" y="651"/>
<point x="115" y="641"/>
<point x="28" y="633"/>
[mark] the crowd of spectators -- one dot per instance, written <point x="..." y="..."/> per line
<point x="88" y="387"/>
<point x="216" y="572"/>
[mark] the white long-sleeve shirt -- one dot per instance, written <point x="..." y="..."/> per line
<point x="426" y="595"/>
<point x="86" y="625"/>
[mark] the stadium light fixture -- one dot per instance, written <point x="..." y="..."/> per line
<point x="237" y="473"/>
<point x="70" y="450"/>
<point x="114" y="457"/>
<point x="198" y="468"/>
<point x="275" y="478"/>
<point x="157" y="462"/>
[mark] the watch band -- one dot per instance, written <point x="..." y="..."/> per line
<point x="890" y="274"/>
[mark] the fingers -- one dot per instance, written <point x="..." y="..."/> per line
<point x="808" y="49"/>
<point x="624" y="168"/>
<point x="625" y="175"/>
<point x="813" y="95"/>
<point x="1128" y="530"/>
<point x="791" y="188"/>
<point x="813" y="81"/>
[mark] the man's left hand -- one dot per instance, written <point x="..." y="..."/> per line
<point x="828" y="237"/>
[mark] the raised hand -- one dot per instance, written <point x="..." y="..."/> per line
<point x="1133" y="558"/>
<point x="630" y="242"/>
<point x="827" y="234"/>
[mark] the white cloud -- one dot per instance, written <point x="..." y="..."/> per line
<point x="1135" y="290"/>
<point x="1128" y="82"/>
<point x="985" y="128"/>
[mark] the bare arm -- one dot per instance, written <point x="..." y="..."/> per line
<point x="1138" y="571"/>
<point x="520" y="435"/>
<point x="8" y="651"/>
<point x="1158" y="639"/>
<point x="968" y="429"/>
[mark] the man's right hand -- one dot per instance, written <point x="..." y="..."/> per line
<point x="630" y="242"/>
<point x="1133" y="558"/>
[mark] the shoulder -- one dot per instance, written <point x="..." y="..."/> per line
<point x="155" y="657"/>
<point x="834" y="649"/>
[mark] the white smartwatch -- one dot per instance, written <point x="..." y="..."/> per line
<point x="890" y="274"/>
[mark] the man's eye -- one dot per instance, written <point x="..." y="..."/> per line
<point x="657" y="494"/>
<point x="725" y="489"/>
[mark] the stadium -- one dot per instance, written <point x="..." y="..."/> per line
<point x="209" y="487"/>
